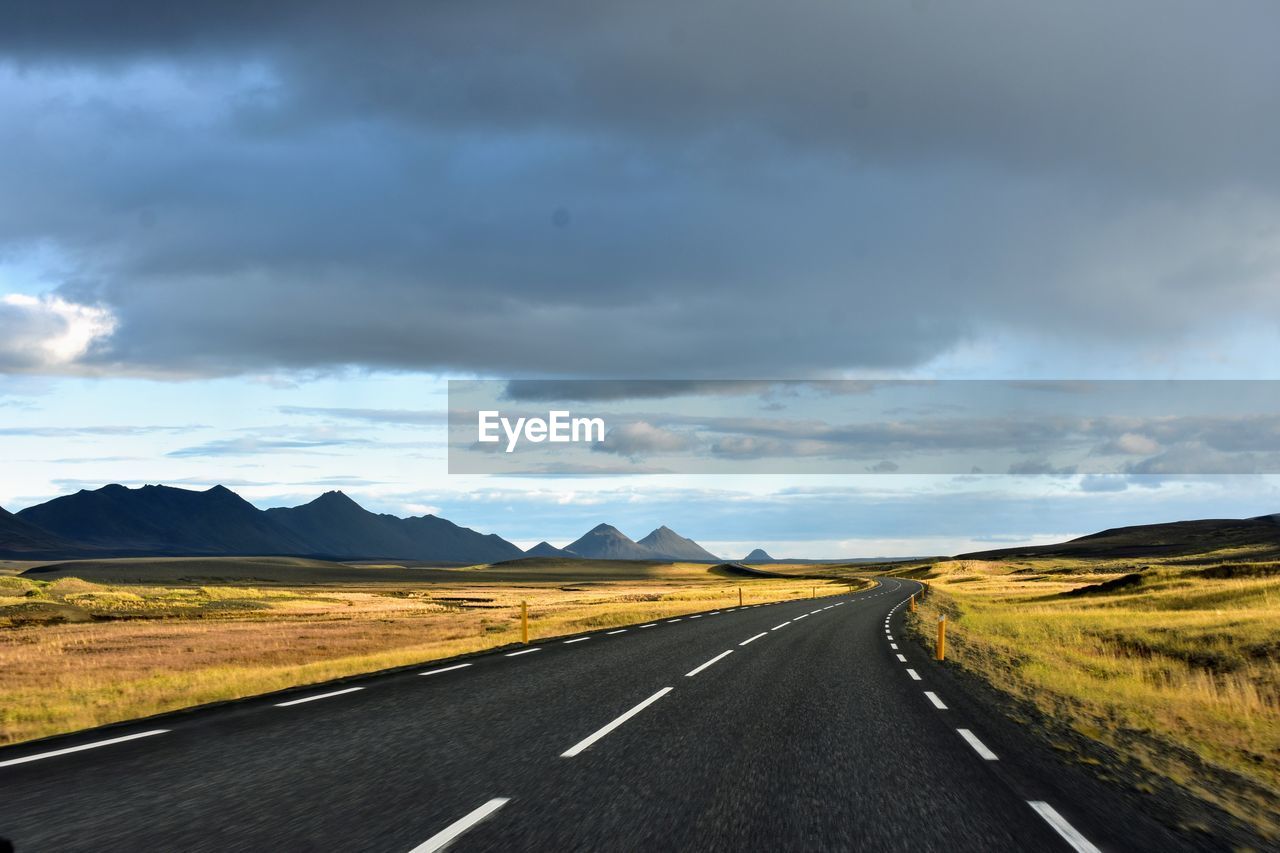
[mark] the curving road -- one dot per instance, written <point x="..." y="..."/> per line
<point x="805" y="725"/>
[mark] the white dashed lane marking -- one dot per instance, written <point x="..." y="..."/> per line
<point x="320" y="696"/>
<point x="445" y="669"/>
<point x="595" y="736"/>
<point x="450" y="833"/>
<point x="1068" y="832"/>
<point x="81" y="748"/>
<point x="978" y="746"/>
<point x="697" y="669"/>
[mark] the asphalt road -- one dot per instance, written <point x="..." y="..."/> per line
<point x="805" y="725"/>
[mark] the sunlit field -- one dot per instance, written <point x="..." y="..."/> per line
<point x="1175" y="663"/>
<point x="139" y="637"/>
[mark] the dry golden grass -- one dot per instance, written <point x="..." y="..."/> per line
<point x="145" y="649"/>
<point x="1179" y="667"/>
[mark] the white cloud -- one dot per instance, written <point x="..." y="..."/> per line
<point x="48" y="333"/>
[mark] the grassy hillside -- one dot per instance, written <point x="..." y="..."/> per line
<point x="87" y="643"/>
<point x="1172" y="663"/>
<point x="1213" y="538"/>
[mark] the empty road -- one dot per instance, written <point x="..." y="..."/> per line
<point x="803" y="725"/>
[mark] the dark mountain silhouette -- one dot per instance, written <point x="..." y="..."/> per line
<point x="759" y="555"/>
<point x="165" y="521"/>
<point x="1260" y="536"/>
<point x="336" y="526"/>
<point x="606" y="542"/>
<point x="22" y="537"/>
<point x="667" y="543"/>
<point x="444" y="540"/>
<point x="546" y="549"/>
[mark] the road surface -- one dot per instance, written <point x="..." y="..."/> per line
<point x="804" y="725"/>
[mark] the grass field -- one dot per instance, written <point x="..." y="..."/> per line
<point x="100" y="641"/>
<point x="1173" y="663"/>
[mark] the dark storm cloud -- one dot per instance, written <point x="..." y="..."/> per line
<point x="657" y="189"/>
<point x="601" y="390"/>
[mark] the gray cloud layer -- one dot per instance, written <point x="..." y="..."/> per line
<point x="656" y="189"/>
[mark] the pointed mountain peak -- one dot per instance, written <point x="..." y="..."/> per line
<point x="606" y="542"/>
<point x="546" y="549"/>
<point x="605" y="528"/>
<point x="759" y="555"/>
<point x="672" y="545"/>
<point x="335" y="497"/>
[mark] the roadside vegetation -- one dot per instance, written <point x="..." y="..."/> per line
<point x="77" y="653"/>
<point x="1173" y="664"/>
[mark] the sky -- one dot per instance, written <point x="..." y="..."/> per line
<point x="251" y="243"/>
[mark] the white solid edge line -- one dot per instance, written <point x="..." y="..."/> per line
<point x="592" y="738"/>
<point x="1068" y="832"/>
<point x="697" y="669"/>
<point x="978" y="746"/>
<point x="753" y="639"/>
<point x="783" y="625"/>
<point x="318" y="696"/>
<point x="523" y="652"/>
<point x="578" y="640"/>
<point x="937" y="703"/>
<point x="619" y="631"/>
<point x="450" y="833"/>
<point x="67" y="750"/>
<point x="445" y="669"/>
<point x="915" y="676"/>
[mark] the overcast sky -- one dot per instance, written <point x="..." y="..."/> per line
<point x="224" y="225"/>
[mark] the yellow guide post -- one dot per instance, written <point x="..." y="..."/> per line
<point x="941" y="652"/>
<point x="739" y="596"/>
<point x="524" y="622"/>
<point x="913" y="603"/>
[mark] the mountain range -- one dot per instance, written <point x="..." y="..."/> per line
<point x="167" y="521"/>
<point x="20" y="537"/>
<point x="1260" y="536"/>
<point x="115" y="521"/>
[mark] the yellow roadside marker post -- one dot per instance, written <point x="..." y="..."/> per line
<point x="941" y="652"/>
<point x="524" y="622"/>
<point x="913" y="603"/>
<point x="739" y="596"/>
